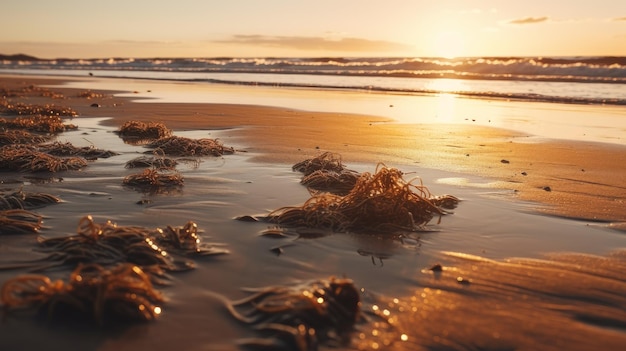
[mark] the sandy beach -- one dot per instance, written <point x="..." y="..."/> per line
<point x="586" y="179"/>
<point x="559" y="203"/>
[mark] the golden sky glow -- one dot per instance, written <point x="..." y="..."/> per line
<point x="252" y="28"/>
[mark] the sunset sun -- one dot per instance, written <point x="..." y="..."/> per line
<point x="449" y="44"/>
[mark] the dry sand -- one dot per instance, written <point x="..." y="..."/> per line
<point x="566" y="178"/>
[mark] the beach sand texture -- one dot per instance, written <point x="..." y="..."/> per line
<point x="480" y="298"/>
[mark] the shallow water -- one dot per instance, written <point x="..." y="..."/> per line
<point x="487" y="223"/>
<point x="592" y="123"/>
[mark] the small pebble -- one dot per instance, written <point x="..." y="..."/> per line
<point x="246" y="218"/>
<point x="547" y="188"/>
<point x="277" y="250"/>
<point x="463" y="281"/>
<point x="436" y="268"/>
<point x="504" y="161"/>
<point x="95" y="105"/>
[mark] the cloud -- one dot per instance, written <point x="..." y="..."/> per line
<point x="619" y="19"/>
<point x="316" y="43"/>
<point x="528" y="20"/>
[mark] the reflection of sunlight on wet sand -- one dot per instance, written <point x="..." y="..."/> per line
<point x="446" y="104"/>
<point x="460" y="181"/>
<point x="549" y="120"/>
<point x="446" y="85"/>
<point x="446" y="109"/>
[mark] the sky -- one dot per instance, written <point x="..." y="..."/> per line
<point x="320" y="28"/>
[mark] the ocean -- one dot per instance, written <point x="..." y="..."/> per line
<point x="578" y="80"/>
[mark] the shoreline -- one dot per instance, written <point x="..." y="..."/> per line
<point x="570" y="274"/>
<point x="573" y="179"/>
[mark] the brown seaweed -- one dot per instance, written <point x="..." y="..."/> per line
<point x="185" y="241"/>
<point x="124" y="292"/>
<point x="150" y="161"/>
<point x="380" y="202"/>
<point x="154" y="180"/>
<point x="10" y="137"/>
<point x="137" y="131"/>
<point x="67" y="149"/>
<point x="26" y="200"/>
<point x="37" y="123"/>
<point x="23" y="158"/>
<point x="109" y="244"/>
<point x="327" y="161"/>
<point x="300" y="317"/>
<point x="331" y="181"/>
<point x="181" y="146"/>
<point x="30" y="90"/>
<point x="19" y="108"/>
<point x="88" y="94"/>
<point x="18" y="221"/>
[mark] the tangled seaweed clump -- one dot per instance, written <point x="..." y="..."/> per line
<point x="155" y="179"/>
<point x="181" y="146"/>
<point x="37" y="123"/>
<point x="326" y="172"/>
<point x="154" y="162"/>
<point x="23" y="158"/>
<point x="185" y="240"/>
<point x="11" y="137"/>
<point x="300" y="317"/>
<point x="108" y="244"/>
<point x="88" y="94"/>
<point x="327" y="161"/>
<point x="335" y="182"/>
<point x="383" y="201"/>
<point x="19" y="221"/>
<point x="9" y="108"/>
<point x="67" y="149"/>
<point x="141" y="131"/>
<point x="124" y="292"/>
<point x="30" y="90"/>
<point x="23" y="200"/>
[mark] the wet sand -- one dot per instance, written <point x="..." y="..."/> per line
<point x="505" y="301"/>
<point x="567" y="178"/>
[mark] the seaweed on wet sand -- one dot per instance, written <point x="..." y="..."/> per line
<point x="151" y="161"/>
<point x="124" y="292"/>
<point x="185" y="240"/>
<point x="382" y="201"/>
<point x="181" y="146"/>
<point x="154" y="250"/>
<point x="30" y="90"/>
<point x="151" y="179"/>
<point x="24" y="158"/>
<point x="37" y="123"/>
<point x="67" y="149"/>
<point x="18" y="221"/>
<point x="88" y="94"/>
<point x="300" y="317"/>
<point x="26" y="200"/>
<point x="109" y="244"/>
<point x="19" y="108"/>
<point x="327" y="172"/>
<point x="143" y="131"/>
<point x="332" y="181"/>
<point x="10" y="137"/>
<point x="327" y="161"/>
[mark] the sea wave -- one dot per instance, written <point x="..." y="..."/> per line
<point x="579" y="80"/>
<point x="604" y="69"/>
